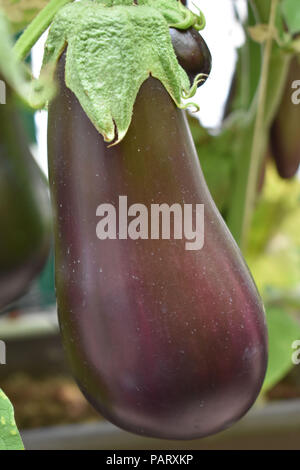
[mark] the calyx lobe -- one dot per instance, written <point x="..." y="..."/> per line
<point x="113" y="46"/>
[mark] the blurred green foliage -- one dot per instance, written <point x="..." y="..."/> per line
<point x="273" y="256"/>
<point x="21" y="12"/>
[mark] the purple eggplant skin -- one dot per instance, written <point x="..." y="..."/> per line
<point x="192" y="53"/>
<point x="164" y="342"/>
<point x="25" y="210"/>
<point x="285" y="130"/>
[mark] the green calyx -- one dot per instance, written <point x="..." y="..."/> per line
<point x="174" y="12"/>
<point x="113" y="46"/>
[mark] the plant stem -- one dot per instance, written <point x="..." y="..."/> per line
<point x="259" y="129"/>
<point x="249" y="154"/>
<point x="37" y="27"/>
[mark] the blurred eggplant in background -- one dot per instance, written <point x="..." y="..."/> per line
<point x="285" y="130"/>
<point x="25" y="212"/>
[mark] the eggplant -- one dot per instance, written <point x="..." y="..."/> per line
<point x="25" y="211"/>
<point x="192" y="53"/>
<point x="163" y="341"/>
<point x="285" y="130"/>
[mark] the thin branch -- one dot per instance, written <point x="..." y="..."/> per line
<point x="259" y="129"/>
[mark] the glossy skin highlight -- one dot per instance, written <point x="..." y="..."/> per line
<point x="163" y="342"/>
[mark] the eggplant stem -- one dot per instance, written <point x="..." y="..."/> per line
<point x="256" y="150"/>
<point x="37" y="27"/>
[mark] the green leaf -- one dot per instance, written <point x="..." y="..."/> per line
<point x="111" y="52"/>
<point x="291" y="13"/>
<point x="9" y="435"/>
<point x="283" y="331"/>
